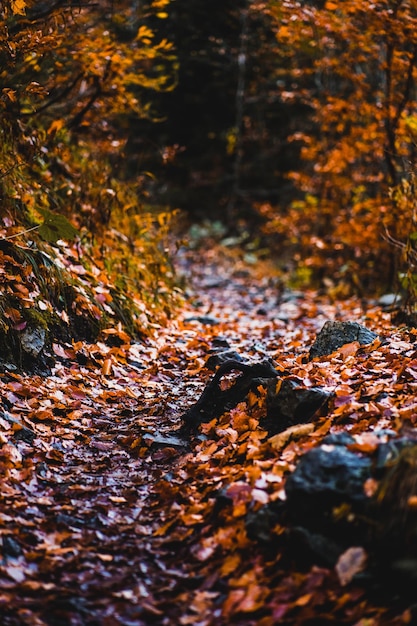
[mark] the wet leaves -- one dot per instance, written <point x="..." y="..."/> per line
<point x="106" y="509"/>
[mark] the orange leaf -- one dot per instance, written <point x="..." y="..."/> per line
<point x="230" y="564"/>
<point x="349" y="349"/>
<point x="55" y="127"/>
<point x="107" y="367"/>
<point x="252" y="599"/>
<point x="412" y="502"/>
<point x="18" y="6"/>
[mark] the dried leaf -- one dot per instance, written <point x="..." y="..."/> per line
<point x="280" y="440"/>
<point x="107" y="367"/>
<point x="18" y="6"/>
<point x="350" y="563"/>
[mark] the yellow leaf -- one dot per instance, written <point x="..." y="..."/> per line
<point x="293" y="432"/>
<point x="18" y="6"/>
<point x="331" y="6"/>
<point x="230" y="564"/>
<point x="144" y="33"/>
<point x="283" y="32"/>
<point x="303" y="600"/>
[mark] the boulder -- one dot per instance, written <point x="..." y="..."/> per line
<point x="292" y="404"/>
<point x="334" y="335"/>
<point x="214" y="401"/>
<point x="221" y="356"/>
<point x="326" y="478"/>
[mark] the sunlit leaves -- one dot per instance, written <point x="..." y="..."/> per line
<point x="18" y="7"/>
<point x="160" y="4"/>
<point x="145" y="34"/>
<point x="353" y="64"/>
<point x="57" y="186"/>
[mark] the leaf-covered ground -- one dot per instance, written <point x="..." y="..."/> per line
<point x="108" y="517"/>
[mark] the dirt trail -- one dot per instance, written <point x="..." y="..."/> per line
<point x="92" y="484"/>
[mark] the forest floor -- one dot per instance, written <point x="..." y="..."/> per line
<point x="109" y="517"/>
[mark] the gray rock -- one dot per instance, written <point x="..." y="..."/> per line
<point x="33" y="340"/>
<point x="206" y="320"/>
<point x="220" y="357"/>
<point x="334" y="335"/>
<point x="293" y="404"/>
<point x="326" y="477"/>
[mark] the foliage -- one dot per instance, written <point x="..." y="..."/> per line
<point x="310" y="105"/>
<point x="403" y="236"/>
<point x="105" y="512"/>
<point x="72" y="79"/>
<point x="353" y="64"/>
<point x="298" y="115"/>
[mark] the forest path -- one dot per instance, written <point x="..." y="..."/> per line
<point x="105" y="518"/>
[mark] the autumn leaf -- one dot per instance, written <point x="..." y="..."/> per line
<point x="55" y="227"/>
<point x="350" y="563"/>
<point x="55" y="126"/>
<point x="18" y="7"/>
<point x="349" y="349"/>
<point x="293" y="432"/>
<point x="10" y="93"/>
<point x="102" y="489"/>
<point x="107" y="367"/>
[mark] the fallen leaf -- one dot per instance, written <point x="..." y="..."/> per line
<point x="117" y="499"/>
<point x="293" y="432"/>
<point x="350" y="563"/>
<point x="107" y="367"/>
<point x="349" y="349"/>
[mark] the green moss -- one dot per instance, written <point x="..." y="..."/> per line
<point x="39" y="319"/>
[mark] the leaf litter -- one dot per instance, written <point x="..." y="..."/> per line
<point x="109" y="515"/>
